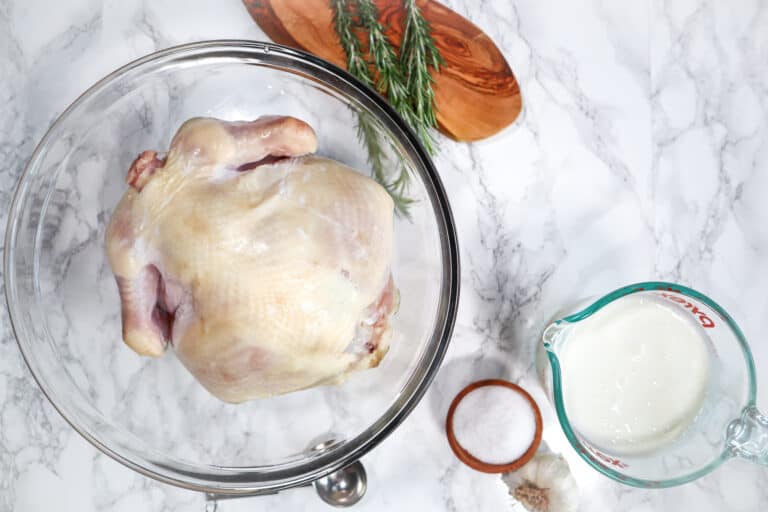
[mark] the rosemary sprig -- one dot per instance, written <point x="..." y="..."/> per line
<point x="418" y="53"/>
<point x="405" y="80"/>
<point x="342" y="22"/>
<point x="390" y="81"/>
<point x="397" y="188"/>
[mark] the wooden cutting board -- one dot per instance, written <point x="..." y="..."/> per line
<point x="476" y="93"/>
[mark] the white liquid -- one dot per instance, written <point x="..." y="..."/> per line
<point x="634" y="374"/>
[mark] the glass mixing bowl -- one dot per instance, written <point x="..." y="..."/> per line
<point x="150" y="414"/>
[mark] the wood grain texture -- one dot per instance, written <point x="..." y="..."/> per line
<point x="476" y="93"/>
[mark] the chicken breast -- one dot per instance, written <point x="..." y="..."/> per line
<point x="267" y="270"/>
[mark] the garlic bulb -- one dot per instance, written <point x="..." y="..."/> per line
<point x="544" y="484"/>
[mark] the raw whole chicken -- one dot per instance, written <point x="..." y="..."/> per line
<point x="267" y="269"/>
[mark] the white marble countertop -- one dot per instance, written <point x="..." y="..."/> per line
<point x="642" y="153"/>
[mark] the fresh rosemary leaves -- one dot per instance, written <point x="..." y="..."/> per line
<point x="404" y="80"/>
<point x="389" y="75"/>
<point x="417" y="54"/>
<point x="342" y="22"/>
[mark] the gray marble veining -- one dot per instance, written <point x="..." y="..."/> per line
<point x="641" y="153"/>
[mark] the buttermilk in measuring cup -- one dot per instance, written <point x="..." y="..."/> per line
<point x="634" y="374"/>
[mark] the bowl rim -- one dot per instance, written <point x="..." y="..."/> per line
<point x="242" y="482"/>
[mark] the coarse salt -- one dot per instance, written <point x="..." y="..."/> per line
<point x="495" y="424"/>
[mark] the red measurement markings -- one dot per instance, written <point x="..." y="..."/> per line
<point x="704" y="320"/>
<point x="608" y="460"/>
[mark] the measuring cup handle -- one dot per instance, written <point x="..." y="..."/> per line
<point x="748" y="436"/>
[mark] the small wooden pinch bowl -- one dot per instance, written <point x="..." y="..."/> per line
<point x="472" y="461"/>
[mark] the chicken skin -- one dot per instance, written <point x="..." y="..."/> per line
<point x="267" y="269"/>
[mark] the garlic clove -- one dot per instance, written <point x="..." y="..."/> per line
<point x="544" y="484"/>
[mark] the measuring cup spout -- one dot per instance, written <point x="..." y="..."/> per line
<point x="554" y="335"/>
<point x="747" y="436"/>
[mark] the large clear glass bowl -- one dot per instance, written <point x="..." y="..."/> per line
<point x="150" y="414"/>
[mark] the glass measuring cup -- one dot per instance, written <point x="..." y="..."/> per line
<point x="728" y="424"/>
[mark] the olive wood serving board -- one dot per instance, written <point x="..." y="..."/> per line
<point x="476" y="93"/>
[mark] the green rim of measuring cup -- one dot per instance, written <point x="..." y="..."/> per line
<point x="558" y="396"/>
